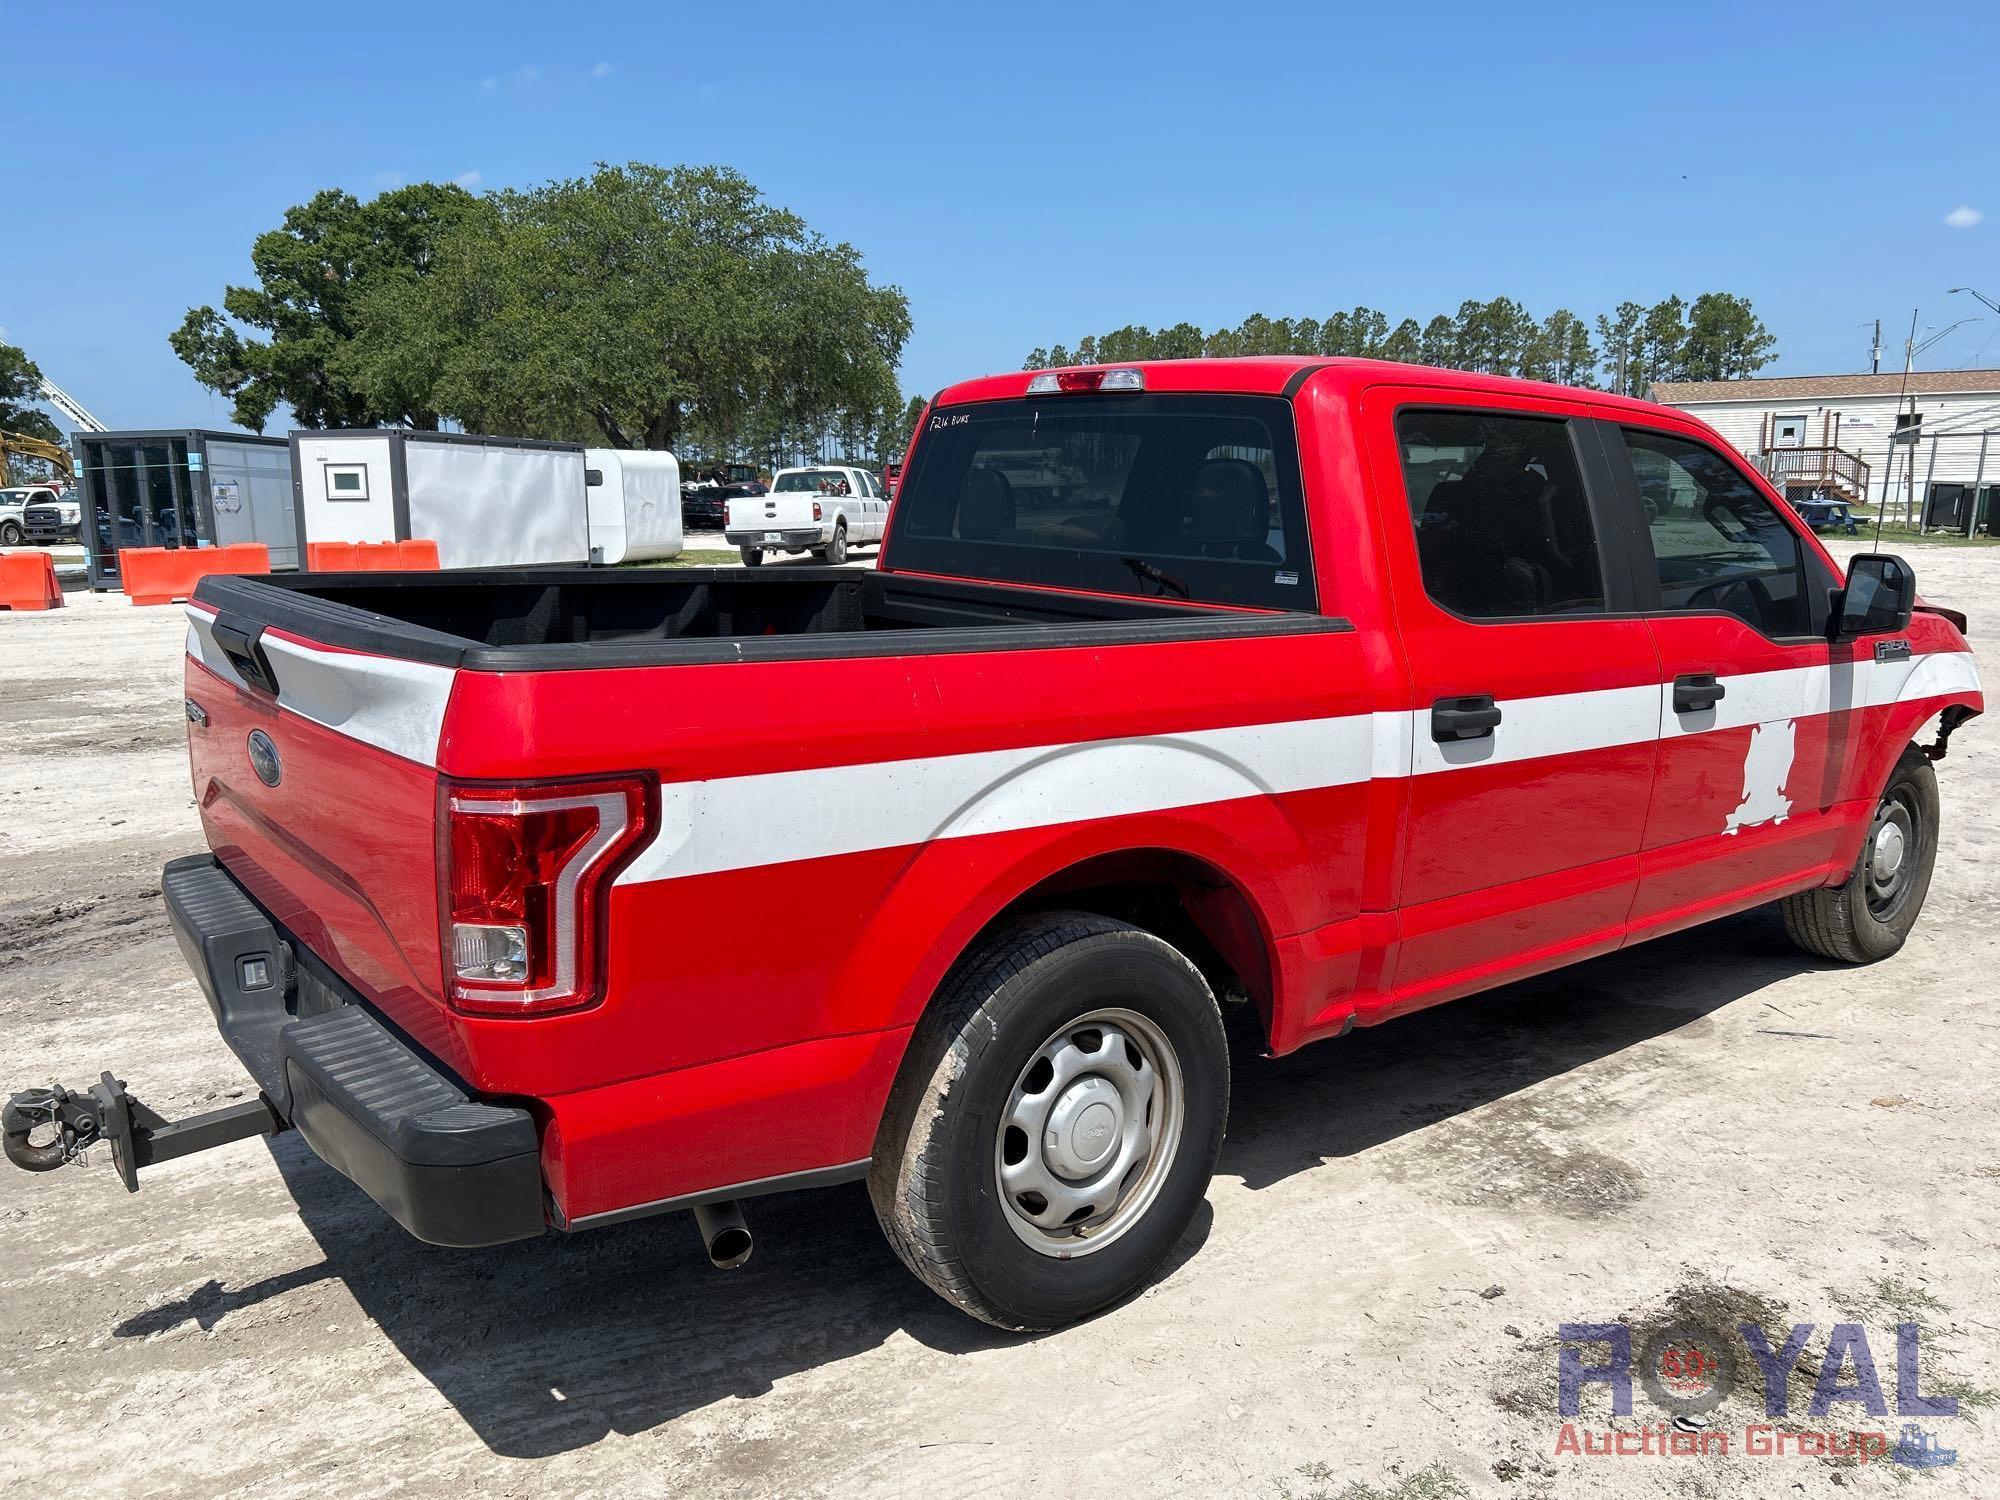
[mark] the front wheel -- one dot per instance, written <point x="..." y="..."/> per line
<point x="753" y="557"/>
<point x="10" y="534"/>
<point x="1869" y="915"/>
<point x="1056" y="1122"/>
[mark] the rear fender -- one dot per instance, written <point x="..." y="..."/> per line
<point x="980" y="861"/>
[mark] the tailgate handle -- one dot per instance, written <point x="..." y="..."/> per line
<point x="242" y="641"/>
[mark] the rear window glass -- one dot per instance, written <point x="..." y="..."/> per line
<point x="1178" y="497"/>
<point x="816" y="480"/>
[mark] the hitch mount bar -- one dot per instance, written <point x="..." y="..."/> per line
<point x="69" y="1122"/>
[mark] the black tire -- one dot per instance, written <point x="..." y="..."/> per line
<point x="753" y="557"/>
<point x="1856" y="922"/>
<point x="934" y="1181"/>
<point x="11" y="534"/>
<point x="836" y="550"/>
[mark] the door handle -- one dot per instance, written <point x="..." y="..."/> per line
<point x="1697" y="691"/>
<point x="1455" y="719"/>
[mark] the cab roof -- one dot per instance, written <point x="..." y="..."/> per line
<point x="1282" y="375"/>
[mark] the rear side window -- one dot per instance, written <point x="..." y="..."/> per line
<point x="1503" y="524"/>
<point x="1175" y="496"/>
<point x="1717" y="543"/>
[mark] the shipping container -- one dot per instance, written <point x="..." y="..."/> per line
<point x="182" y="487"/>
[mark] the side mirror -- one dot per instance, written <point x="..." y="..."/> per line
<point x="1877" y="598"/>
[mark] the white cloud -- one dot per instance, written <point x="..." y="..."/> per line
<point x="388" y="179"/>
<point x="602" y="70"/>
<point x="1963" y="217"/>
<point x="488" y="85"/>
<point x="468" y="180"/>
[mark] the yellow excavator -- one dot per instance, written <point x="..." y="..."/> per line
<point x="20" y="445"/>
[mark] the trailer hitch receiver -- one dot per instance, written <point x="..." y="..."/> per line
<point x="46" y="1128"/>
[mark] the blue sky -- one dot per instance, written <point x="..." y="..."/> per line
<point x="1031" y="173"/>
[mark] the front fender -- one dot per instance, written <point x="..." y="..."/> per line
<point x="1896" y="710"/>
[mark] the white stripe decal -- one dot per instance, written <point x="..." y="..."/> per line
<point x="740" y="822"/>
<point x="736" y="822"/>
<point x="397" y="706"/>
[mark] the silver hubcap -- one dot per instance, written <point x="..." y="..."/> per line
<point x="1089" y="1133"/>
<point x="1892" y="839"/>
<point x="1888" y="856"/>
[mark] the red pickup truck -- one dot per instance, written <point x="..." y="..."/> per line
<point x="1330" y="688"/>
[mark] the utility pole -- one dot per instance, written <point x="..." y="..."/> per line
<point x="1875" y="354"/>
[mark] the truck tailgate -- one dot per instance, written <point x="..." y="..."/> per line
<point x="775" y="512"/>
<point x="321" y="798"/>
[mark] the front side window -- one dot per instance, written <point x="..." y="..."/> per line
<point x="1718" y="544"/>
<point x="1172" y="496"/>
<point x="1503" y="524"/>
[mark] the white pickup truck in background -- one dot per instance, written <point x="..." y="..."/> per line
<point x="824" y="510"/>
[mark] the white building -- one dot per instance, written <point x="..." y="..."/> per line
<point x="1833" y="432"/>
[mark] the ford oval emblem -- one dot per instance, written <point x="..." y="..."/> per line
<point x="264" y="758"/>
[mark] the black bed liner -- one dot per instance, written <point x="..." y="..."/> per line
<point x="565" y="619"/>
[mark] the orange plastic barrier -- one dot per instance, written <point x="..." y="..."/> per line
<point x="371" y="557"/>
<point x="160" y="575"/>
<point x="28" y="581"/>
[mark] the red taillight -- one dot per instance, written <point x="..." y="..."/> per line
<point x="817" y="514"/>
<point x="523" y="874"/>
<point x="1070" y="382"/>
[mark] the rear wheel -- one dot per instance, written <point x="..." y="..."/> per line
<point x="753" y="557"/>
<point x="1056" y="1122"/>
<point x="1869" y="915"/>
<point x="836" y="550"/>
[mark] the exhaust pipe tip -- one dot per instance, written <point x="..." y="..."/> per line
<point x="724" y="1233"/>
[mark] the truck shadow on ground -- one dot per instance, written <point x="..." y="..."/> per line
<point x="549" y="1345"/>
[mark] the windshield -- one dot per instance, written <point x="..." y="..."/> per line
<point x="819" y="481"/>
<point x="1185" y="497"/>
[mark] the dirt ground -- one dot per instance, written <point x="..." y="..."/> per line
<point x="1711" y="1127"/>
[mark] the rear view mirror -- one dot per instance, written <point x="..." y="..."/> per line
<point x="1877" y="599"/>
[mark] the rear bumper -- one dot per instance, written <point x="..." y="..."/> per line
<point x="808" y="536"/>
<point x="451" y="1169"/>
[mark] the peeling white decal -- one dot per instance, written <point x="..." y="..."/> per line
<point x="1766" y="768"/>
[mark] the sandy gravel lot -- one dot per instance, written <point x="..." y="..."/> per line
<point x="1713" y="1125"/>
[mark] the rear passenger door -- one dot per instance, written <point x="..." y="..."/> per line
<point x="1533" y="719"/>
<point x="1753" y="722"/>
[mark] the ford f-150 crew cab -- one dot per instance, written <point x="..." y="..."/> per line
<point x="1331" y="688"/>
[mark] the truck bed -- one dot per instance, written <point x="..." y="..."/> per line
<point x="557" y="619"/>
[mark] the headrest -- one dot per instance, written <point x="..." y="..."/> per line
<point x="985" y="504"/>
<point x="1230" y="502"/>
